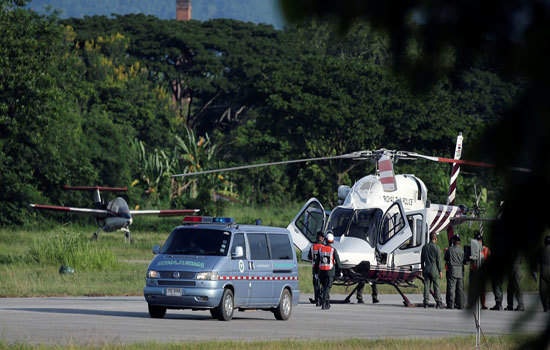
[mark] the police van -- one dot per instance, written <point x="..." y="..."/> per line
<point x="214" y="264"/>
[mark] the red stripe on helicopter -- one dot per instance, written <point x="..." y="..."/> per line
<point x="441" y="223"/>
<point x="387" y="180"/>
<point x="466" y="162"/>
<point x="385" y="165"/>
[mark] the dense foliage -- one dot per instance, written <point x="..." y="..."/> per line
<point x="132" y="99"/>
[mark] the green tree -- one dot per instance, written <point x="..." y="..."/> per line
<point x="516" y="33"/>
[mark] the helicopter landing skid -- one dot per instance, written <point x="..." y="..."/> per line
<point x="406" y="300"/>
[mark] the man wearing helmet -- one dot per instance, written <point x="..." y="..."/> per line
<point x="328" y="263"/>
<point x="312" y="255"/>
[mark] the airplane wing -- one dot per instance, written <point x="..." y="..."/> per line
<point x="164" y="213"/>
<point x="85" y="211"/>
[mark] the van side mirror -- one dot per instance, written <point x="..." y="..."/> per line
<point x="156" y="249"/>
<point x="238" y="253"/>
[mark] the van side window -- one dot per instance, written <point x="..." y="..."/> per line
<point x="280" y="247"/>
<point x="258" y="246"/>
<point x="238" y="240"/>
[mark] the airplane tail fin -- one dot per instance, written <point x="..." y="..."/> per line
<point x="454" y="179"/>
<point x="97" y="196"/>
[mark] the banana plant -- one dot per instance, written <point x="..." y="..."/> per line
<point x="155" y="167"/>
<point x="194" y="154"/>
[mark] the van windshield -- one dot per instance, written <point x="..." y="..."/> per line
<point x="197" y="242"/>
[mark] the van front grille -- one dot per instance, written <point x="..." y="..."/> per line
<point x="184" y="275"/>
<point x="176" y="283"/>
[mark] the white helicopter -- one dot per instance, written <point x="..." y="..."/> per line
<point x="383" y="221"/>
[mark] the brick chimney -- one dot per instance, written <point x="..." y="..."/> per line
<point x="183" y="10"/>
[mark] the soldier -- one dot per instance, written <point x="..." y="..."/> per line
<point x="454" y="258"/>
<point x="360" y="287"/>
<point x="544" y="286"/>
<point x="328" y="263"/>
<point x="474" y="266"/>
<point x="496" y="285"/>
<point x="312" y="255"/>
<point x="430" y="260"/>
<point x="514" y="287"/>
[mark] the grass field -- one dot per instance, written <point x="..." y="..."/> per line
<point x="455" y="343"/>
<point x="30" y="257"/>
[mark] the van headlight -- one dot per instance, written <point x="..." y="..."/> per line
<point x="153" y="274"/>
<point x="208" y="275"/>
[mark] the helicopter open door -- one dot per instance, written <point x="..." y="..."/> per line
<point x="394" y="230"/>
<point x="310" y="220"/>
<point x="408" y="253"/>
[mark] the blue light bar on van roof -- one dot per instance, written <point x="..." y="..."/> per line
<point x="208" y="220"/>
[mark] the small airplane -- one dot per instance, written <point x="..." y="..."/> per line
<point x="113" y="215"/>
<point x="383" y="220"/>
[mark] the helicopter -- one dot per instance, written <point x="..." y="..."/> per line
<point x="383" y="220"/>
<point x="113" y="215"/>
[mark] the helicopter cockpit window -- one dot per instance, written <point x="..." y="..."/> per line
<point x="415" y="223"/>
<point x="364" y="224"/>
<point x="391" y="224"/>
<point x="311" y="222"/>
<point x="339" y="220"/>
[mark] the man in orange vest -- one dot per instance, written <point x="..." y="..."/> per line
<point x="328" y="263"/>
<point x="312" y="255"/>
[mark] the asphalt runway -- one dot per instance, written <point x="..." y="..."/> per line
<point x="85" y="320"/>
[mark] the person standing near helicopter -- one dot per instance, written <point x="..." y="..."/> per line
<point x="328" y="263"/>
<point x="312" y="255"/>
<point x="430" y="260"/>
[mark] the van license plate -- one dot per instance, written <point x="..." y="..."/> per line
<point x="174" y="292"/>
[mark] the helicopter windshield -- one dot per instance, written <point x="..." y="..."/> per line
<point x="362" y="223"/>
<point x="339" y="221"/>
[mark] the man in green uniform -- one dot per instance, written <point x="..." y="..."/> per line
<point x="496" y="284"/>
<point x="514" y="287"/>
<point x="430" y="260"/>
<point x="544" y="286"/>
<point x="454" y="257"/>
<point x="361" y="287"/>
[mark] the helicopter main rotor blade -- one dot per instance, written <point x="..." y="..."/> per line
<point x="449" y="160"/>
<point x="342" y="156"/>
<point x="459" y="161"/>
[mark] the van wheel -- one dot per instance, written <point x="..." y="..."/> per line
<point x="157" y="311"/>
<point x="225" y="310"/>
<point x="282" y="312"/>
